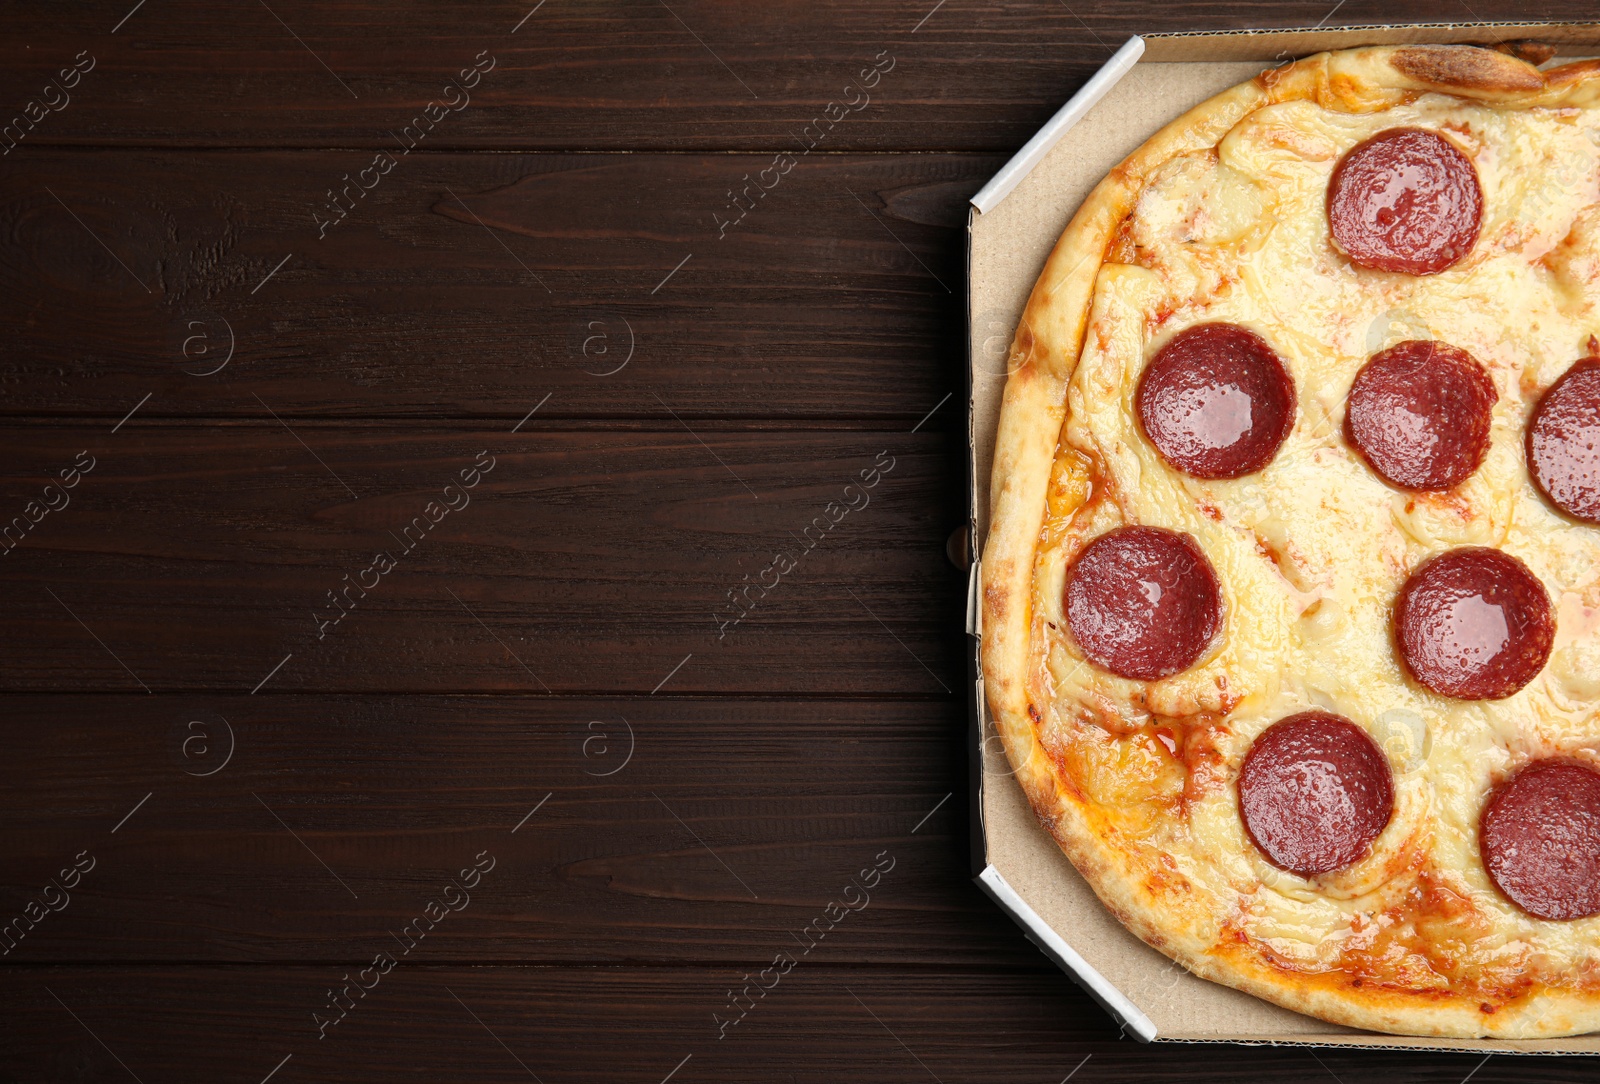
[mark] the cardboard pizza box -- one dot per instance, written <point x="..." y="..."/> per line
<point x="1012" y="226"/>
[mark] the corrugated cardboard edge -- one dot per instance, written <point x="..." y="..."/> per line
<point x="1570" y="39"/>
<point x="1255" y="45"/>
<point x="1112" y="1000"/>
<point x="1034" y="150"/>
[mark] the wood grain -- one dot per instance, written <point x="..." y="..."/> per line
<point x="201" y="556"/>
<point x="475" y="285"/>
<point x="624" y="74"/>
<point x="883" y="1023"/>
<point x="666" y="830"/>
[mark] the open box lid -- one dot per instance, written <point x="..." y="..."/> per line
<point x="1014" y="224"/>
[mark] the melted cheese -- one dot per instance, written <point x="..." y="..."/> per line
<point x="1312" y="550"/>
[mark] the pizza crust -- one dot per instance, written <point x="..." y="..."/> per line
<point x="1044" y="355"/>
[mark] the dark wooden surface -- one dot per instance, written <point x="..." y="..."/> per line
<point x="548" y="678"/>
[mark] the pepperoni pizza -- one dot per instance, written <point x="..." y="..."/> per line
<point x="1292" y="586"/>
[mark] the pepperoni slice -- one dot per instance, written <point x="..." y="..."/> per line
<point x="1405" y="200"/>
<point x="1564" y="442"/>
<point x="1540" y="839"/>
<point x="1315" y="792"/>
<point x="1474" y="623"/>
<point x="1143" y="602"/>
<point x="1419" y="414"/>
<point x="1216" y="401"/>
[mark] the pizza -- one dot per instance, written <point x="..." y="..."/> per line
<point x="1291" y="592"/>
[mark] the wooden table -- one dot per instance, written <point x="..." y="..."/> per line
<point x="380" y="480"/>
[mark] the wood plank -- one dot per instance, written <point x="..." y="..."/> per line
<point x="637" y="829"/>
<point x="203" y="557"/>
<point x="698" y="74"/>
<point x="647" y="1025"/>
<point x="478" y="284"/>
